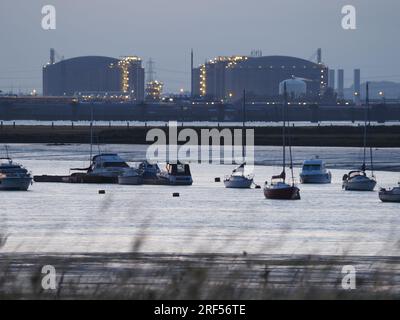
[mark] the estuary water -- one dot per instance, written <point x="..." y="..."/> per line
<point x="74" y="218"/>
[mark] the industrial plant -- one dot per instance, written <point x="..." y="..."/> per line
<point x="123" y="89"/>
<point x="92" y="74"/>
<point x="225" y="78"/>
<point x="221" y="79"/>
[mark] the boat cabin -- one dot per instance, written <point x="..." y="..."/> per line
<point x="178" y="169"/>
<point x="11" y="168"/>
<point x="107" y="161"/>
<point x="149" y="169"/>
<point x="313" y="165"/>
<point x="353" y="174"/>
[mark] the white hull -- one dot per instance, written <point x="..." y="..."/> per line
<point x="365" y="184"/>
<point x="238" y="182"/>
<point x="177" y="180"/>
<point x="390" y="195"/>
<point x="322" y="178"/>
<point x="20" y="184"/>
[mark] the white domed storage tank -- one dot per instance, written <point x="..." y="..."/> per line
<point x="295" y="87"/>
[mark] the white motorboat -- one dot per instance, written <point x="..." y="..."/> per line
<point x="238" y="179"/>
<point x="390" y="195"/>
<point x="150" y="172"/>
<point x="358" y="180"/>
<point x="314" y="171"/>
<point x="14" y="176"/>
<point x="176" y="174"/>
<point x="107" y="165"/>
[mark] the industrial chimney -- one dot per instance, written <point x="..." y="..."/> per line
<point x="357" y="87"/>
<point x="340" y="89"/>
<point x="52" y="56"/>
<point x="191" y="74"/>
<point x="319" y="56"/>
<point x="331" y="79"/>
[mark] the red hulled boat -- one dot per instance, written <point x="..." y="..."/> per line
<point x="278" y="189"/>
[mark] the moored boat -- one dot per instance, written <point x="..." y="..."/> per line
<point x="176" y="174"/>
<point x="390" y="195"/>
<point x="315" y="172"/>
<point x="131" y="177"/>
<point x="107" y="165"/>
<point x="14" y="176"/>
<point x="150" y="172"/>
<point x="238" y="179"/>
<point x="104" y="168"/>
<point x="358" y="180"/>
<point x="278" y="189"/>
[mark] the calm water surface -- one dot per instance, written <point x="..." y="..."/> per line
<point x="205" y="218"/>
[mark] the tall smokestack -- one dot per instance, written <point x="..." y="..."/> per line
<point x="319" y="55"/>
<point x="52" y="56"/>
<point x="357" y="86"/>
<point x="340" y="89"/>
<point x="331" y="79"/>
<point x="191" y="74"/>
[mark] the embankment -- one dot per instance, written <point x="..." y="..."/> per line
<point x="328" y="136"/>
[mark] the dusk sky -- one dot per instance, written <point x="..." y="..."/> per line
<point x="167" y="30"/>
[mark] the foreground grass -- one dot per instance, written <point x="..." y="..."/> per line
<point x="197" y="276"/>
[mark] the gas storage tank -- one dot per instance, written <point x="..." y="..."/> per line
<point x="295" y="87"/>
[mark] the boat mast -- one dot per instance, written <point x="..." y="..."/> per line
<point x="369" y="123"/>
<point x="365" y="128"/>
<point x="290" y="144"/>
<point x="91" y="133"/>
<point x="7" y="155"/>
<point x="284" y="127"/>
<point x="243" y="126"/>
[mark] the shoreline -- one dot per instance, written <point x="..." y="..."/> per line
<point x="316" y="136"/>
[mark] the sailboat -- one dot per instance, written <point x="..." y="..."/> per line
<point x="358" y="180"/>
<point x="237" y="179"/>
<point x="278" y="188"/>
<point x="390" y="195"/>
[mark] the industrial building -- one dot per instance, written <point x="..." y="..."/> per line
<point x="94" y="74"/>
<point x="226" y="77"/>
